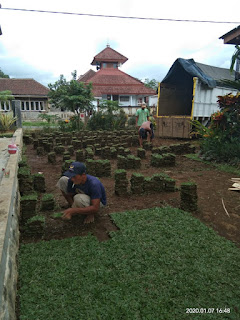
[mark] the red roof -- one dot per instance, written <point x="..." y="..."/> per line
<point x="108" y="55"/>
<point x="114" y="81"/>
<point x="89" y="74"/>
<point x="26" y="87"/>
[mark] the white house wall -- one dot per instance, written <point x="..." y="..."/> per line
<point x="205" y="100"/>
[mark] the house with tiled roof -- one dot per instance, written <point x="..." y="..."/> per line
<point x="110" y="83"/>
<point x="33" y="96"/>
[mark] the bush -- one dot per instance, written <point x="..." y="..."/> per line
<point x="107" y="121"/>
<point x="220" y="141"/>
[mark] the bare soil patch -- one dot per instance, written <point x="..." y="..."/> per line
<point x="212" y="186"/>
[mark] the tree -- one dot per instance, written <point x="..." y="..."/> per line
<point x="235" y="57"/>
<point x="235" y="60"/>
<point x="71" y="95"/>
<point x="6" y="96"/>
<point x="3" y="75"/>
<point x="151" y="84"/>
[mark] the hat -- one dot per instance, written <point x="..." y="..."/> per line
<point x="75" y="168"/>
<point x="143" y="103"/>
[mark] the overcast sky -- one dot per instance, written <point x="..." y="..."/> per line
<point x="43" y="46"/>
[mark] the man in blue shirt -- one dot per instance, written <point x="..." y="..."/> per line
<point x="85" y="193"/>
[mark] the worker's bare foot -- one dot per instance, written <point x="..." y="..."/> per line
<point x="89" y="219"/>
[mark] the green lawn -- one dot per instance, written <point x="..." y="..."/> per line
<point x="160" y="262"/>
<point x="39" y="124"/>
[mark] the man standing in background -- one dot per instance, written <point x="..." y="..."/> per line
<point x="142" y="115"/>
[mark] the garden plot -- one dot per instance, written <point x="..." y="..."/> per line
<point x="104" y="154"/>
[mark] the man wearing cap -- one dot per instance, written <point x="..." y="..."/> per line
<point x="142" y="115"/>
<point x="145" y="132"/>
<point x="83" y="192"/>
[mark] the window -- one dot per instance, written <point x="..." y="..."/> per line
<point x="124" y="98"/>
<point x="115" y="97"/>
<point x="32" y="105"/>
<point x="5" y="106"/>
<point x="104" y="65"/>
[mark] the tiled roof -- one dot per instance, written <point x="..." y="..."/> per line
<point x="86" y="76"/>
<point x="109" y="55"/>
<point x="27" y="87"/>
<point x="114" y="81"/>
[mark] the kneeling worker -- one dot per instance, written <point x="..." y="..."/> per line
<point x="145" y="132"/>
<point x="84" y="193"/>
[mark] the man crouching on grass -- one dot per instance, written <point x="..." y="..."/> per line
<point x="84" y="193"/>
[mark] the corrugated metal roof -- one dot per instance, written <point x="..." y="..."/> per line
<point x="216" y="73"/>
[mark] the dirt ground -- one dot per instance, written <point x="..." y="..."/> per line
<point x="212" y="187"/>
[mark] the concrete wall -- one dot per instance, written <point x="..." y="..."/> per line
<point x="9" y="222"/>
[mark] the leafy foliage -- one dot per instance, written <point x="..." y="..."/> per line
<point x="235" y="57"/>
<point x="150" y="269"/>
<point x="74" y="123"/>
<point x="50" y="118"/>
<point x="110" y="117"/>
<point x="220" y="141"/>
<point x="6" y="95"/>
<point x="153" y="84"/>
<point x="6" y="121"/>
<point x="71" y="95"/>
<point x="3" y="75"/>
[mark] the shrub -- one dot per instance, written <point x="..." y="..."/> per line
<point x="220" y="141"/>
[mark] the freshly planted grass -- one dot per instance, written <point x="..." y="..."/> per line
<point x="57" y="215"/>
<point x="221" y="167"/>
<point x="160" y="262"/>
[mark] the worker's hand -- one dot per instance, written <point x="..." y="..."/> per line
<point x="67" y="214"/>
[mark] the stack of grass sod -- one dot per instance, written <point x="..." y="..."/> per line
<point x="147" y="145"/>
<point x="121" y="182"/>
<point x="182" y="148"/>
<point x="52" y="157"/>
<point x="159" y="181"/>
<point x="89" y="154"/>
<point x="113" y="152"/>
<point x="162" y="263"/>
<point x="137" y="180"/>
<point x="25" y="180"/>
<point x="39" y="182"/>
<point x="156" y="160"/>
<point x="66" y="156"/>
<point x="106" y="153"/>
<point x="99" y="168"/>
<point x="189" y="197"/>
<point x="169" y="159"/>
<point x="166" y="159"/>
<point x="148" y="185"/>
<point x="47" y="202"/>
<point x="80" y="155"/>
<point x="28" y="204"/>
<point x="141" y="153"/>
<point x="121" y="162"/>
<point x="35" y="226"/>
<point x="133" y="162"/>
<point x="59" y="149"/>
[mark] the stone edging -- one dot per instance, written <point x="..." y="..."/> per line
<point x="9" y="231"/>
